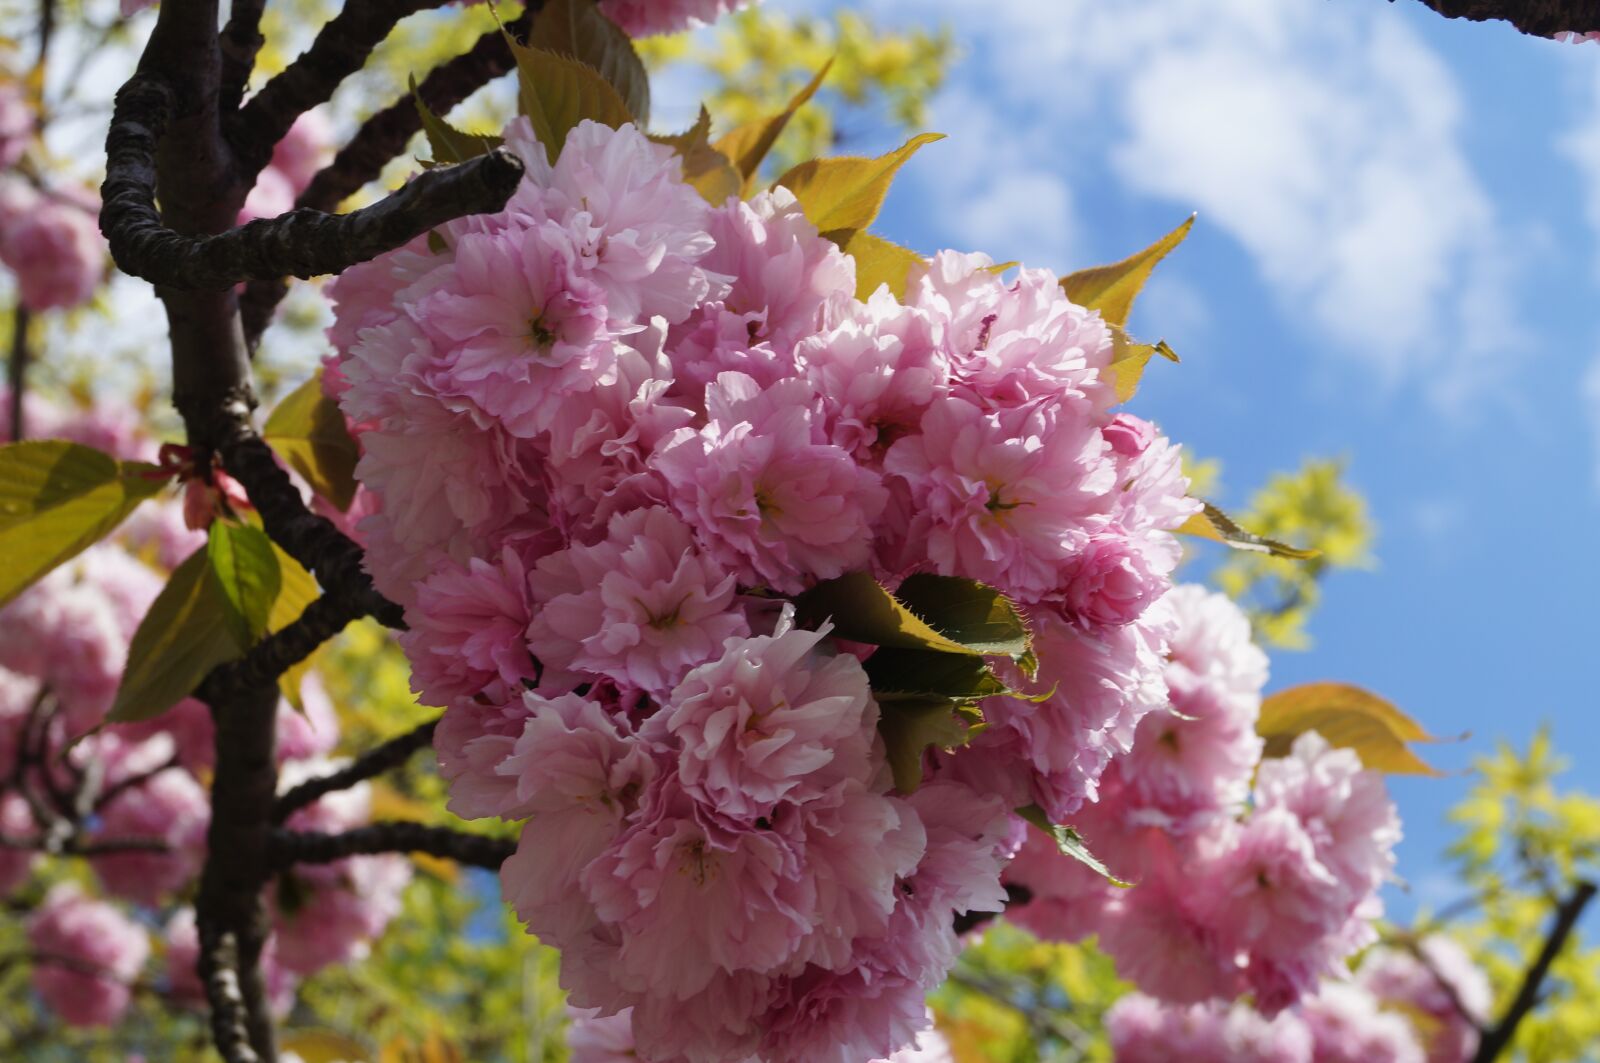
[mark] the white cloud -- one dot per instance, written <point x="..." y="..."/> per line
<point x="1589" y="394"/>
<point x="1324" y="138"/>
<point x="1581" y="146"/>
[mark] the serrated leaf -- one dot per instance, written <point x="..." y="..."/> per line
<point x="844" y="194"/>
<point x="58" y="498"/>
<point x="748" y="145"/>
<point x="878" y="263"/>
<point x="308" y="429"/>
<point x="577" y="29"/>
<point x="705" y="168"/>
<point x="862" y="611"/>
<point x="183" y="636"/>
<point x="1112" y="289"/>
<point x="324" y="1046"/>
<point x="1349" y="718"/>
<point x="556" y="92"/>
<point x="449" y="144"/>
<point x="968" y="612"/>
<point x="1211" y="523"/>
<point x="245" y="566"/>
<point x="900" y="675"/>
<point x="296" y="590"/>
<point x="909" y="726"/>
<point x="1068" y="842"/>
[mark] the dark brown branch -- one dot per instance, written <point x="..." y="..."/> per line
<point x="308" y="538"/>
<point x="340" y="49"/>
<point x="1497" y="1039"/>
<point x="1539" y="18"/>
<point x="17" y="368"/>
<point x="309" y="847"/>
<point x="383" y="137"/>
<point x="122" y="786"/>
<point x="302" y="243"/>
<point x="240" y="42"/>
<point x="219" y="972"/>
<point x="274" y="655"/>
<point x="374" y="762"/>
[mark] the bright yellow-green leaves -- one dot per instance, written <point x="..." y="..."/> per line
<point x="1349" y="718"/>
<point x="879" y="263"/>
<point x="747" y="145"/>
<point x="555" y="93"/>
<point x="577" y="30"/>
<point x="705" y="168"/>
<point x="57" y="499"/>
<point x="307" y="428"/>
<point x="448" y="143"/>
<point x="843" y="195"/>
<point x="1112" y="289"/>
<point x="1211" y="523"/>
<point x="215" y="606"/>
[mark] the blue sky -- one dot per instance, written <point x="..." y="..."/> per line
<point x="1395" y="262"/>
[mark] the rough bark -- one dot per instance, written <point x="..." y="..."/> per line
<point x="1538" y="18"/>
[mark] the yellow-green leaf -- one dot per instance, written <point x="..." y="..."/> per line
<point x="577" y="30"/>
<point x="1128" y="360"/>
<point x="879" y="262"/>
<point x="245" y="567"/>
<point x="183" y="636"/>
<point x="845" y="194"/>
<point x="309" y="431"/>
<point x="705" y="168"/>
<point x="1112" y="289"/>
<point x="1068" y="842"/>
<point x="1211" y="523"/>
<point x="1349" y="718"/>
<point x="58" y="498"/>
<point x="296" y="590"/>
<point x="748" y="145"/>
<point x="910" y="725"/>
<point x="556" y="92"/>
<point x="448" y="143"/>
<point x="324" y="1046"/>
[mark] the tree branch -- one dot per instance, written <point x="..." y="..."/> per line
<point x="1497" y="1039"/>
<point x="274" y="655"/>
<point x="17" y="369"/>
<point x="310" y="847"/>
<point x="1538" y="18"/>
<point x="219" y="972"/>
<point x="374" y="762"/>
<point x="240" y="42"/>
<point x="340" y="49"/>
<point x="302" y="243"/>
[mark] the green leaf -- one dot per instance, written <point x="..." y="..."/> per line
<point x="879" y="262"/>
<point x="556" y="92"/>
<point x="911" y="725"/>
<point x="749" y="144"/>
<point x="862" y="611"/>
<point x="323" y="1046"/>
<point x="1112" y="289"/>
<point x="1068" y="842"/>
<point x="58" y="498"/>
<point x="308" y="429"/>
<point x="448" y="143"/>
<point x="577" y="30"/>
<point x="185" y="634"/>
<point x="898" y="675"/>
<point x="245" y="567"/>
<point x="297" y="589"/>
<point x="845" y="194"/>
<point x="1211" y="523"/>
<point x="1349" y="718"/>
<point x="704" y="167"/>
<point x="968" y="612"/>
<point x="1128" y="360"/>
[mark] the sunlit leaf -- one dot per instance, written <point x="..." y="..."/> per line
<point x="879" y="262"/>
<point x="748" y="145"/>
<point x="555" y="93"/>
<point x="58" y="498"/>
<point x="449" y="144"/>
<point x="184" y="635"/>
<point x="1112" y="289"/>
<point x="245" y="566"/>
<point x="435" y="1049"/>
<point x="576" y="29"/>
<point x="862" y="611"/>
<point x="309" y="431"/>
<point x="1349" y="718"/>
<point x="844" y="194"/>
<point x="1211" y="523"/>
<point x="296" y="590"/>
<point x="1128" y="361"/>
<point x="1068" y="841"/>
<point x="324" y="1046"/>
<point x="968" y="612"/>
<point x="705" y="168"/>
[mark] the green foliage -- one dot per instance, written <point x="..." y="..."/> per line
<point x="758" y="59"/>
<point x="1312" y="506"/>
<point x="843" y="195"/>
<point x="576" y="29"/>
<point x="307" y="428"/>
<point x="1349" y="718"/>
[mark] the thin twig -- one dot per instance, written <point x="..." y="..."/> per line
<point x="370" y="764"/>
<point x="17" y="368"/>
<point x="241" y="40"/>
<point x="311" y="847"/>
<point x="1498" y="1038"/>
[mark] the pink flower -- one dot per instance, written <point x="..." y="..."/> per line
<point x="641" y="18"/>
<point x="467" y="631"/>
<point x="471" y="741"/>
<point x="1145" y="1030"/>
<point x="332" y="918"/>
<point x="56" y="251"/>
<point x="769" y="716"/>
<point x="87" y="955"/>
<point x="1128" y="435"/>
<point x="1347" y="1027"/>
<point x="272" y="195"/>
<point x="171" y="808"/>
<point x="643" y="607"/>
<point x="1433" y="988"/>
<point x="16" y="821"/>
<point x="1111" y="580"/>
<point x="763" y="496"/>
<point x="304" y="149"/>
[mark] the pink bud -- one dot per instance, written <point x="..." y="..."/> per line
<point x="1129" y="435"/>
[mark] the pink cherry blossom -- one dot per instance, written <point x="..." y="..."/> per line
<point x="16" y="821"/>
<point x="172" y="808"/>
<point x="641" y="18"/>
<point x="56" y="251"/>
<point x="1145" y="1030"/>
<point x="467" y="631"/>
<point x="1438" y="980"/>
<point x="304" y="149"/>
<point x="87" y="955"/>
<point x="1347" y="1026"/>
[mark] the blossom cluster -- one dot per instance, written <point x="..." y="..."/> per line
<point x="607" y="432"/>
<point x="641" y="18"/>
<point x="63" y="647"/>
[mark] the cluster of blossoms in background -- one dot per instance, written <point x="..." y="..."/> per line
<point x="608" y="432"/>
<point x="70" y="784"/>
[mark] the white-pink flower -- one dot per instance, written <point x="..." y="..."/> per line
<point x="86" y="955"/>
